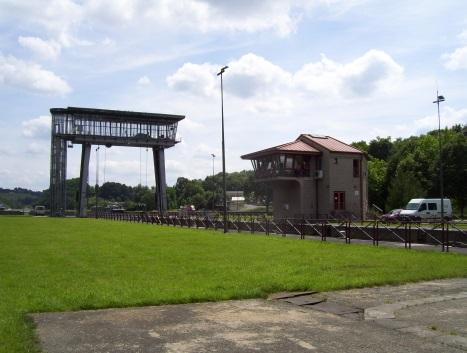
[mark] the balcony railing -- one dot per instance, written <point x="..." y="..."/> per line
<point x="284" y="172"/>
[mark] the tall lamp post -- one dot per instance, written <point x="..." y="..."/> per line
<point x="213" y="156"/>
<point x="438" y="100"/>
<point x="220" y="73"/>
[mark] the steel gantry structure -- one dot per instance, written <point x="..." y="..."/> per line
<point x="88" y="126"/>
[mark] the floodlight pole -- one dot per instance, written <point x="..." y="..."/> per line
<point x="438" y="100"/>
<point x="223" y="150"/>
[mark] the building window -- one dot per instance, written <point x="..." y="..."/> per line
<point x="356" y="168"/>
<point x="339" y="200"/>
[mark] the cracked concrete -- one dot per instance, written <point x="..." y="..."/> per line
<point x="272" y="325"/>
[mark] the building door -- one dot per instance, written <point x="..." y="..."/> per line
<point x="339" y="200"/>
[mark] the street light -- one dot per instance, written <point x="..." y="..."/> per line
<point x="213" y="156"/>
<point x="223" y="149"/>
<point x="438" y="100"/>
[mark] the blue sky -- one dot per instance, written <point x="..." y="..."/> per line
<point x="352" y="69"/>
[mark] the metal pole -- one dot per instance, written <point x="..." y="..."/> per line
<point x="441" y="183"/>
<point x="223" y="151"/>
<point x="97" y="174"/>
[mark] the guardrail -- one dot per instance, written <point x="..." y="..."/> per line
<point x="444" y="234"/>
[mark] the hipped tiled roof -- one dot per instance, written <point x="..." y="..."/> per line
<point x="330" y="143"/>
<point x="296" y="146"/>
<point x="307" y="144"/>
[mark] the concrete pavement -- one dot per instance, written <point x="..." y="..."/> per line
<point x="308" y="322"/>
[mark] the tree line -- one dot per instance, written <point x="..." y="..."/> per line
<point x="402" y="169"/>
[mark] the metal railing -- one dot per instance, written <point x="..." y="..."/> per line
<point x="444" y="234"/>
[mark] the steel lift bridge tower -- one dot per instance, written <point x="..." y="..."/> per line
<point x="89" y="127"/>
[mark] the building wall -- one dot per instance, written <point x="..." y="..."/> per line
<point x="286" y="198"/>
<point x="341" y="179"/>
<point x="311" y="197"/>
<point x="323" y="186"/>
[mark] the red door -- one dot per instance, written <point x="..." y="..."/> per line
<point x="339" y="200"/>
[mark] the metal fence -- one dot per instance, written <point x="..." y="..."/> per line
<point x="444" y="234"/>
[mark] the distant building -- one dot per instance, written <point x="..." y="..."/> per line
<point x="314" y="176"/>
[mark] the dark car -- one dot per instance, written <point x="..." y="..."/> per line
<point x="391" y="216"/>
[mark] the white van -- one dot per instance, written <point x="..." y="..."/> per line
<point x="426" y="208"/>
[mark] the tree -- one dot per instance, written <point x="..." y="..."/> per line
<point x="404" y="186"/>
<point x="172" y="203"/>
<point x="380" y="148"/>
<point x="376" y="174"/>
<point x="454" y="156"/>
<point x="361" y="145"/>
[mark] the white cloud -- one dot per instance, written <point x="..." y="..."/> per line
<point x="456" y="60"/>
<point x="30" y="76"/>
<point x="279" y="16"/>
<point x="45" y="49"/>
<point x="113" y="11"/>
<point x="144" y="81"/>
<point x="373" y="71"/>
<point x="37" y="128"/>
<point x="56" y="17"/>
<point x="62" y="19"/>
<point x="449" y="117"/>
<point x="253" y="76"/>
<point x="194" y="78"/>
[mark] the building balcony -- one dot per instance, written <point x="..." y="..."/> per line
<point x="262" y="174"/>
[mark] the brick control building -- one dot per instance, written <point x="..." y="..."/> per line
<point x="314" y="176"/>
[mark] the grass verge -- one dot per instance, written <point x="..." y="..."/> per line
<point x="51" y="264"/>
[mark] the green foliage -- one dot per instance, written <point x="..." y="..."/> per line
<point x="404" y="186"/>
<point x="19" y="198"/>
<point x="60" y="264"/>
<point x="455" y="170"/>
<point x="376" y="174"/>
<point x="412" y="168"/>
<point x="380" y="148"/>
<point x="207" y="193"/>
<point x="361" y="145"/>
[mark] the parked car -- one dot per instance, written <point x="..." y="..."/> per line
<point x="418" y="209"/>
<point x="391" y="216"/>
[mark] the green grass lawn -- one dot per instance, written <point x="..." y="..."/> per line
<point x="70" y="264"/>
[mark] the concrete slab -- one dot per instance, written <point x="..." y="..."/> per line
<point x="265" y="326"/>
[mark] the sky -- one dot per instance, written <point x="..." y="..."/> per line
<point x="351" y="69"/>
